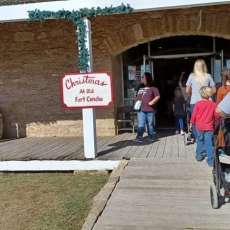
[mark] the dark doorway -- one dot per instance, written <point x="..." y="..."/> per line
<point x="166" y="59"/>
<point x="167" y="74"/>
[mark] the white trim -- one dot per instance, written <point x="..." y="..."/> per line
<point x="184" y="5"/>
<point x="52" y="165"/>
<point x="175" y="56"/>
<point x="20" y="12"/>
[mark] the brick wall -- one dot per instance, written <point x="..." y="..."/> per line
<point x="33" y="57"/>
<point x="114" y="34"/>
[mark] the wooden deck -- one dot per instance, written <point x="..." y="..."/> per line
<point x="162" y="188"/>
<point x="163" y="194"/>
<point x="168" y="146"/>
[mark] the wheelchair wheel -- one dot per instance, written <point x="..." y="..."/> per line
<point x="215" y="201"/>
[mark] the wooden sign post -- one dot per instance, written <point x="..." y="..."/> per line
<point x="87" y="91"/>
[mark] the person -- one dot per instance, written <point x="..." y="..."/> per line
<point x="203" y="118"/>
<point x="223" y="109"/>
<point x="182" y="85"/>
<point x="149" y="96"/>
<point x="224" y="106"/>
<point x="225" y="89"/>
<point x="196" y="80"/>
<point x="179" y="110"/>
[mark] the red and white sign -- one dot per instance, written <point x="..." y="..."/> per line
<point x="87" y="90"/>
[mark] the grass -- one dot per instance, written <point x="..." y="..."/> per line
<point x="47" y="201"/>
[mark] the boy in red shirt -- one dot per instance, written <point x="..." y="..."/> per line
<point x="203" y="117"/>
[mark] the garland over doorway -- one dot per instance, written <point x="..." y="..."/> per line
<point x="77" y="17"/>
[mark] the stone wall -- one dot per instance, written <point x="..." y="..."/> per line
<point x="33" y="57"/>
<point x="118" y="33"/>
<point x="35" y="54"/>
<point x="114" y="34"/>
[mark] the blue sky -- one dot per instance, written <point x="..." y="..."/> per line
<point x="20" y="11"/>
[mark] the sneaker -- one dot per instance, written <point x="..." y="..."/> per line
<point x="200" y="158"/>
<point x="182" y="132"/>
<point x="139" y="140"/>
<point x="153" y="138"/>
<point x="221" y="152"/>
<point x="177" y="132"/>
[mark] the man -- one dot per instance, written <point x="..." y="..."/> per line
<point x="224" y="107"/>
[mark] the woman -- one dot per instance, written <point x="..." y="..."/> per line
<point x="225" y="89"/>
<point x="197" y="79"/>
<point x="149" y="96"/>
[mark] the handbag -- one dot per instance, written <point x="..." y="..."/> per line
<point x="137" y="105"/>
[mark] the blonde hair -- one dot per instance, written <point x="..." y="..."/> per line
<point x="206" y="92"/>
<point x="200" y="71"/>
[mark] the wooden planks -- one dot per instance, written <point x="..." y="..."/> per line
<point x="41" y="149"/>
<point x="168" y="146"/>
<point x="165" y="194"/>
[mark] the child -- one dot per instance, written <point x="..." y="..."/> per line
<point x="179" y="110"/>
<point x="203" y="118"/>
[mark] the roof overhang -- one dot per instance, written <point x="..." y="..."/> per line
<point x="20" y="12"/>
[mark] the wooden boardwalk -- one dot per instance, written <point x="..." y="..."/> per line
<point x="109" y="148"/>
<point x="163" y="187"/>
<point x="168" y="146"/>
<point x="163" y="194"/>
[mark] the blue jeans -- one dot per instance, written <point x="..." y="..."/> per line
<point x="144" y="118"/>
<point x="180" y="122"/>
<point x="205" y="146"/>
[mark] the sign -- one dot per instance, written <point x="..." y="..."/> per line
<point x="132" y="72"/>
<point x="88" y="90"/>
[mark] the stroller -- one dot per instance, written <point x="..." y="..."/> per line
<point x="220" y="188"/>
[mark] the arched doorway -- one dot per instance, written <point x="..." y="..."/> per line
<point x="166" y="59"/>
<point x="115" y="34"/>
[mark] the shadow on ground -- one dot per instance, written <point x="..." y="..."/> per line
<point x="125" y="143"/>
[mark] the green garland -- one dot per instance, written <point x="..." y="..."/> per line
<point x="77" y="17"/>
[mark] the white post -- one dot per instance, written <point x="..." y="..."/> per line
<point x="89" y="119"/>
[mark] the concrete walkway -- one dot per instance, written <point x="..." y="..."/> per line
<point x="163" y="193"/>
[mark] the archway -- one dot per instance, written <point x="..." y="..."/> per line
<point x="115" y="34"/>
<point x="166" y="59"/>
